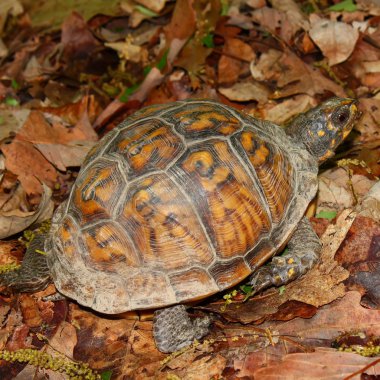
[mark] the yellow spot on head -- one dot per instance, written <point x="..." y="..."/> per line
<point x="291" y="273"/>
<point x="327" y="155"/>
<point x="290" y="260"/>
<point x="321" y="133"/>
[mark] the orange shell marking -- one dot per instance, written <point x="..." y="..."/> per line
<point x="164" y="226"/>
<point x="273" y="170"/>
<point x="146" y="146"/>
<point x="225" y="197"/>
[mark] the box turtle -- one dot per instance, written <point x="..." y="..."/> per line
<point x="184" y="200"/>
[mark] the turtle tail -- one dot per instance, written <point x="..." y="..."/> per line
<point x="34" y="274"/>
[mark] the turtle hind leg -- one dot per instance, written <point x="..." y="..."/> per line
<point x="173" y="329"/>
<point x="34" y="274"/>
<point x="304" y="249"/>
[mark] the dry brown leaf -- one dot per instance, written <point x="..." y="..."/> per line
<point x="369" y="123"/>
<point x="154" y="5"/>
<point x="234" y="60"/>
<point x="14" y="221"/>
<point x="183" y="22"/>
<point x="335" y="39"/>
<point x="331" y="320"/>
<point x="279" y="113"/>
<point x="12" y="121"/>
<point x="246" y="91"/>
<point x="359" y="254"/>
<point x="293" y="76"/>
<point x="370" y="205"/>
<point x="284" y="19"/>
<point x="324" y="363"/>
<point x="337" y="191"/>
<point x="77" y="40"/>
<point x="203" y="367"/>
<point x="370" y="6"/>
<point x="31" y="167"/>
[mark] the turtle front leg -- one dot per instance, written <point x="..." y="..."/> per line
<point x="173" y="329"/>
<point x="304" y="249"/>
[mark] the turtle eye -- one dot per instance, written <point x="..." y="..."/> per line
<point x="341" y="117"/>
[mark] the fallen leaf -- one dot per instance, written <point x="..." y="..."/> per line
<point x="369" y="124"/>
<point x="370" y="205"/>
<point x="14" y="221"/>
<point x="246" y="91"/>
<point x="335" y="39"/>
<point x="31" y="167"/>
<point x="337" y="191"/>
<point x="234" y="61"/>
<point x="9" y="7"/>
<point x="292" y="75"/>
<point x="284" y="19"/>
<point x="279" y="113"/>
<point x="30" y="312"/>
<point x="324" y="363"/>
<point x="12" y="121"/>
<point x="154" y="5"/>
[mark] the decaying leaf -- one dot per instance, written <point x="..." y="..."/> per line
<point x="282" y="112"/>
<point x="337" y="190"/>
<point x="246" y="91"/>
<point x="292" y="75"/>
<point x="336" y="39"/>
<point x="284" y="19"/>
<point x="14" y="221"/>
<point x="234" y="61"/>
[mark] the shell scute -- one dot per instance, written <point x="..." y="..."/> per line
<point x="224" y="195"/>
<point x="97" y="191"/>
<point x="164" y="225"/>
<point x="146" y="146"/>
<point x="192" y="284"/>
<point x="108" y="247"/>
<point x="197" y="120"/>
<point x="272" y="167"/>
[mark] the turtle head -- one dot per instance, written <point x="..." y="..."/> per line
<point x="324" y="127"/>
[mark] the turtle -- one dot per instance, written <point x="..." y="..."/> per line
<point x="184" y="200"/>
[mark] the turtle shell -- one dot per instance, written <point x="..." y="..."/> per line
<point x="178" y="202"/>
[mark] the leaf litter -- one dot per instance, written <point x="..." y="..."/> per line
<point x="70" y="73"/>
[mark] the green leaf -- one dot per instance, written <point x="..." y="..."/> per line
<point x="281" y="290"/>
<point x="128" y="92"/>
<point x="106" y="375"/>
<point x="246" y="289"/>
<point x="15" y="85"/>
<point x="326" y="215"/>
<point x="163" y="61"/>
<point x="343" y="6"/>
<point x="147" y="70"/>
<point x="11" y="101"/>
<point x="208" y="40"/>
<point x="145" y="11"/>
<point x="224" y="8"/>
